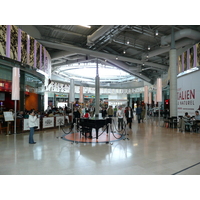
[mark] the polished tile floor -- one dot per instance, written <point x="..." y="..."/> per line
<point x="150" y="149"/>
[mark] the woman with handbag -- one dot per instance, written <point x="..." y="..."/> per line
<point x="32" y="125"/>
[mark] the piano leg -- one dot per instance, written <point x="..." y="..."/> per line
<point x="90" y="131"/>
<point x="97" y="131"/>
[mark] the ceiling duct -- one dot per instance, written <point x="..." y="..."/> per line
<point x="185" y="33"/>
<point x="178" y="45"/>
<point x="98" y="33"/>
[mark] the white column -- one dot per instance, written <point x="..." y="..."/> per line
<point x="159" y="94"/>
<point x="146" y="99"/>
<point x="173" y="83"/>
<point x="45" y="100"/>
<point x="145" y="94"/>
<point x="97" y="96"/>
<point x="15" y="90"/>
<point x="15" y="83"/>
<point x="81" y="95"/>
<point x="71" y="95"/>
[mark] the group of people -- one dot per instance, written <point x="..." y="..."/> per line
<point x="128" y="113"/>
<point x="120" y="113"/>
<point x="185" y="121"/>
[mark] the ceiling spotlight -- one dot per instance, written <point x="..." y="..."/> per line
<point x="116" y="58"/>
<point x="149" y="47"/>
<point x="86" y="26"/>
<point x="127" y="42"/>
<point x="156" y="32"/>
<point x="124" y="51"/>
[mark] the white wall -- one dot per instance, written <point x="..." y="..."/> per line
<point x="188" y="93"/>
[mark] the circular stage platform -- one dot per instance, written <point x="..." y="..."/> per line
<point x="102" y="138"/>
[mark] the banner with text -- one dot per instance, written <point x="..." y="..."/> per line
<point x="188" y="93"/>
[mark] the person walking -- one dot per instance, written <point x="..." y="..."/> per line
<point x="129" y="116"/>
<point x="138" y="112"/>
<point x="32" y="120"/>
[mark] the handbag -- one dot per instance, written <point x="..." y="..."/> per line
<point x="35" y="127"/>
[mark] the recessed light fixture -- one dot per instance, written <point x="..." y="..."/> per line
<point x="86" y="26"/>
<point x="156" y="32"/>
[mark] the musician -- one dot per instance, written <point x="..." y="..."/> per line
<point x="87" y="114"/>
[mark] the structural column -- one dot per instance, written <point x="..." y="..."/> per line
<point x="97" y="98"/>
<point x="173" y="78"/>
<point x="22" y="91"/>
<point x="71" y="96"/>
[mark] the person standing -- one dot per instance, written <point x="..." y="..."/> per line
<point x="120" y="115"/>
<point x="129" y="116"/>
<point x="115" y="111"/>
<point x="138" y="112"/>
<point x="32" y="120"/>
<point x="110" y="111"/>
<point x="76" y="116"/>
<point x="104" y="112"/>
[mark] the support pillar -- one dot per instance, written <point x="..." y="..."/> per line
<point x="97" y="98"/>
<point x="71" y="96"/>
<point x="173" y="78"/>
<point x="45" y="100"/>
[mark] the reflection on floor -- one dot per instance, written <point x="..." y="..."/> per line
<point x="151" y="150"/>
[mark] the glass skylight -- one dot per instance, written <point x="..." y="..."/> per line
<point x="88" y="72"/>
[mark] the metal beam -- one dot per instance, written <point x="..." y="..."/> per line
<point x="102" y="55"/>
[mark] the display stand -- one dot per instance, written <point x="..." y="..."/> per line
<point x="109" y="134"/>
<point x="8" y="117"/>
<point x="75" y="130"/>
<point x="60" y="122"/>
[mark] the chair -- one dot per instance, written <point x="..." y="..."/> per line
<point x="166" y="123"/>
<point x="173" y="122"/>
<point x="196" y="125"/>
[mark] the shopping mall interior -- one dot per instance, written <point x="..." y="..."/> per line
<point x="55" y="68"/>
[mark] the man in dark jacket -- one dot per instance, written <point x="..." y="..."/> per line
<point x="138" y="112"/>
<point x="129" y="116"/>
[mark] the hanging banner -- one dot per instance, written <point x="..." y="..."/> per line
<point x="14" y="43"/>
<point x="3" y="29"/>
<point x="188" y="93"/>
<point x="31" y="51"/>
<point x="15" y="83"/>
